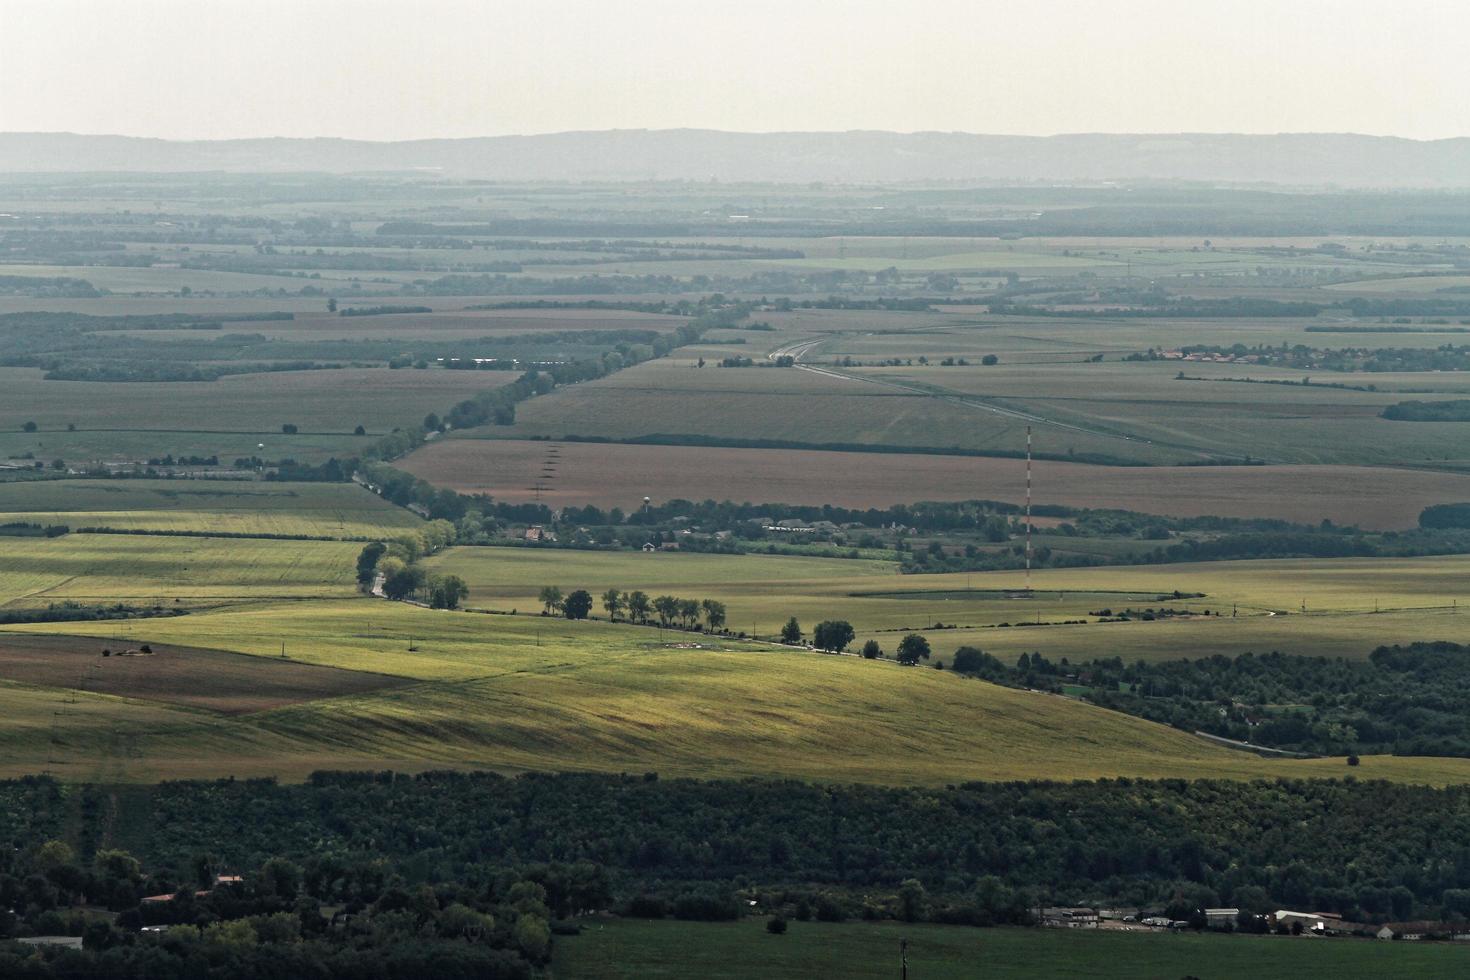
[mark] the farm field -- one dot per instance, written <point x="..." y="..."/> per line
<point x="188" y="677"/>
<point x="330" y="402"/>
<point x="446" y="323"/>
<point x="490" y="697"/>
<point x="1416" y="599"/>
<point x="147" y="569"/>
<point x="328" y="510"/>
<point x="632" y="948"/>
<point x="1134" y="413"/>
<point x="621" y="475"/>
<point x="1276" y="420"/>
<point x="164" y="279"/>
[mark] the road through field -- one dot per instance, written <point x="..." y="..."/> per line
<point x="799" y="349"/>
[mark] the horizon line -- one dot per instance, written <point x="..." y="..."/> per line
<point x="1177" y="134"/>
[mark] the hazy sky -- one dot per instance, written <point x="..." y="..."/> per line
<point x="396" y="69"/>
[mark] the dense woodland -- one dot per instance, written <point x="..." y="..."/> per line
<point x="1403" y="700"/>
<point x="472" y="872"/>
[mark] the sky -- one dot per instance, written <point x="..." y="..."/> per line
<point x="406" y="69"/>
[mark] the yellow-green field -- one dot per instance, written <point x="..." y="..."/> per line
<point x="522" y="691"/>
<point x="1352" y="605"/>
<point x="327" y="510"/>
<point x="147" y="569"/>
<point x="598" y="697"/>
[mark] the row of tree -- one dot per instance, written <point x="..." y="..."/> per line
<point x="636" y="606"/>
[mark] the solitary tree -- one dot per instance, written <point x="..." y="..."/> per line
<point x="288" y="429"/>
<point x="359" y="431"/>
<point x="577" y="605"/>
<point x="791" y="632"/>
<point x="714" y="613"/>
<point x="332" y="305"/>
<point x="612" y="601"/>
<point x="447" y="592"/>
<point x="29" y="427"/>
<point x="871" y="650"/>
<point x="550" y="599"/>
<point x="833" y="635"/>
<point x="912" y="649"/>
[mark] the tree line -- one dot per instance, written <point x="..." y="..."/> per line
<point x="976" y="852"/>
<point x="1401" y="700"/>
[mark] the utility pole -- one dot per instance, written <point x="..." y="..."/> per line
<point x="903" y="959"/>
<point x="1028" y="510"/>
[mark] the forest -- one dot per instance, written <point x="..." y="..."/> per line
<point x="350" y="864"/>
<point x="1402" y="700"/>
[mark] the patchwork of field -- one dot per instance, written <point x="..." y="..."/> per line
<point x="328" y="401"/>
<point x="1220" y="410"/>
<point x="621" y="475"/>
<point x="1326" y="607"/>
<point x="445" y="323"/>
<point x="145" y="569"/>
<point x="585" y="700"/>
<point x="625" y="949"/>
<point x="327" y="510"/>
<point x="212" y="680"/>
<point x="1134" y="412"/>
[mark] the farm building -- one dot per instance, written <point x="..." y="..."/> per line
<point x="1221" y="918"/>
<point x="1309" y="921"/>
<point x="1416" y="931"/>
<point x="1070" y="918"/>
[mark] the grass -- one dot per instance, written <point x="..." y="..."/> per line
<point x="1129" y="411"/>
<point x="1415" y="599"/>
<point x="523" y="692"/>
<point x="314" y="509"/>
<point x="144" y="569"/>
<point x="1277" y="422"/>
<point x="616" y="949"/>
<point x="229" y="417"/>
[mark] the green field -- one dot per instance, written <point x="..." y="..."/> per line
<point x="147" y="569"/>
<point x="237" y="415"/>
<point x="327" y="510"/>
<point x="1351" y="605"/>
<point x="618" y="949"/>
<point x="523" y="692"/>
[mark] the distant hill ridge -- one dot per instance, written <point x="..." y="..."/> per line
<point x="1301" y="159"/>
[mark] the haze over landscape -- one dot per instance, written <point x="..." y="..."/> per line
<point x="625" y="489"/>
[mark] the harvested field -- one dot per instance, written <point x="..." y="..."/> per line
<point x="621" y="475"/>
<point x="214" y="680"/>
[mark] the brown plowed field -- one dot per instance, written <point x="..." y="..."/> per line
<point x="607" y="474"/>
<point x="230" y="683"/>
